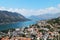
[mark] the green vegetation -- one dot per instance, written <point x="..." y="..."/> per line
<point x="54" y="21"/>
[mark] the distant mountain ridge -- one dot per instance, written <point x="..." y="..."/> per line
<point x="49" y="16"/>
<point x="8" y="17"/>
<point x="44" y="16"/>
<point x="35" y="18"/>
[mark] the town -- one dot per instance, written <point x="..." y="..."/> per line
<point x="40" y="31"/>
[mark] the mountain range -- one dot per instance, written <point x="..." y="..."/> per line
<point x="8" y="17"/>
<point x="44" y="16"/>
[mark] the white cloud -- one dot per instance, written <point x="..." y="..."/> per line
<point x="30" y="12"/>
<point x="59" y="5"/>
<point x="2" y="8"/>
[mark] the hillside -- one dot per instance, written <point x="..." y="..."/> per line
<point x="35" y="18"/>
<point x="8" y="17"/>
<point x="55" y="21"/>
<point x="49" y="16"/>
<point x="44" y="16"/>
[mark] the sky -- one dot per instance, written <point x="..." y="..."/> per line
<point x="31" y="7"/>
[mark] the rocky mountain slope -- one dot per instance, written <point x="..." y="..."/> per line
<point x="8" y="17"/>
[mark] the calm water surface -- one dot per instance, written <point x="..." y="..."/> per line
<point x="16" y="25"/>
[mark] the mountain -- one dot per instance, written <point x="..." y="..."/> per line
<point x="49" y="16"/>
<point x="55" y="21"/>
<point x="35" y="18"/>
<point x="44" y="16"/>
<point x="9" y="17"/>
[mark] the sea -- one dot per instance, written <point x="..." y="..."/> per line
<point x="16" y="25"/>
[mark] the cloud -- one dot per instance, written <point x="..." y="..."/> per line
<point x="2" y="8"/>
<point x="59" y="5"/>
<point x="51" y="10"/>
<point x="30" y="12"/>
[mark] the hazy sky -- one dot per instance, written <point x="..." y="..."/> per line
<point x="31" y="7"/>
